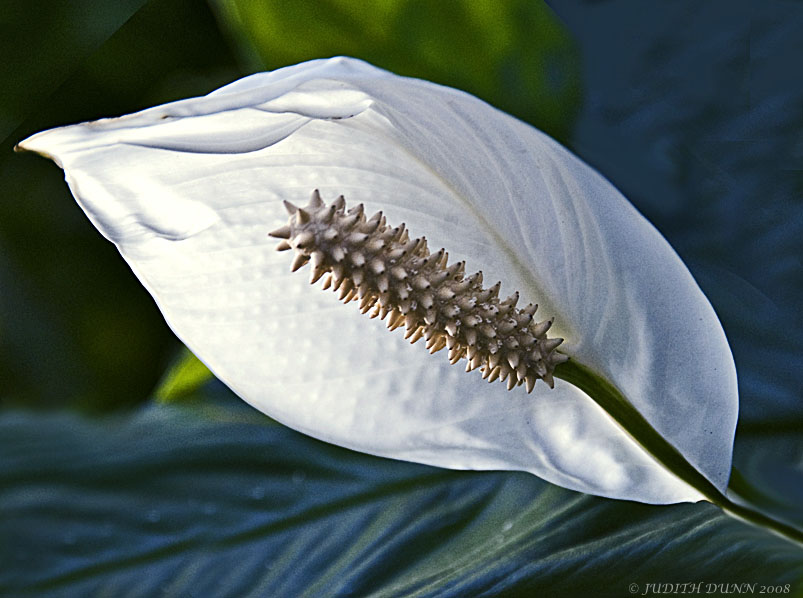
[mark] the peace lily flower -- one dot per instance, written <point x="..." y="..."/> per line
<point x="646" y="407"/>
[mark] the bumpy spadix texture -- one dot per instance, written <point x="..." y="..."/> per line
<point x="397" y="277"/>
<point x="188" y="192"/>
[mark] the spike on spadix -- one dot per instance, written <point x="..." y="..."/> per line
<point x="315" y="202"/>
<point x="283" y="232"/>
<point x="302" y="216"/>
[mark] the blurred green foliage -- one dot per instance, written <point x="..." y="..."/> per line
<point x="514" y="53"/>
<point x="185" y="376"/>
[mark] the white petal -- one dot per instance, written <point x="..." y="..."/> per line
<point x="189" y="190"/>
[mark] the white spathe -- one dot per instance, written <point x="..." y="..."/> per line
<point x="189" y="190"/>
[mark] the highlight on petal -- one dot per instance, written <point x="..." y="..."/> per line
<point x="189" y="191"/>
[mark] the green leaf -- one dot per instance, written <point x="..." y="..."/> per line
<point x="186" y="375"/>
<point x="220" y="501"/>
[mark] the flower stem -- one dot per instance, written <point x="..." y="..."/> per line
<point x="607" y="396"/>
